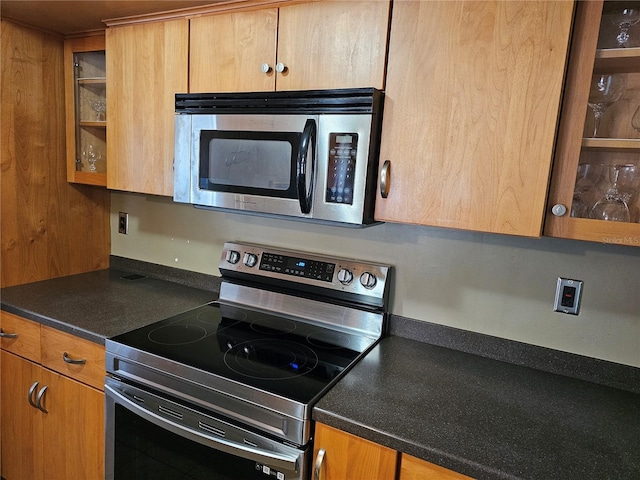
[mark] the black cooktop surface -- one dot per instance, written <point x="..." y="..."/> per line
<point x="280" y="355"/>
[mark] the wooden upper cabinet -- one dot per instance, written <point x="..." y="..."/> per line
<point x="333" y="45"/>
<point x="472" y="101"/>
<point x="85" y="86"/>
<point x="584" y="163"/>
<point x="147" y="65"/>
<point x="319" y="45"/>
<point x="227" y="52"/>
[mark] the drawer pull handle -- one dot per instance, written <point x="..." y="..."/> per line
<point x="8" y="335"/>
<point x="67" y="359"/>
<point x="39" y="399"/>
<point x="318" y="465"/>
<point x="30" y="396"/>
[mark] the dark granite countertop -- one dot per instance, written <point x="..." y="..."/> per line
<point x="486" y="418"/>
<point x="470" y="412"/>
<point x="101" y="304"/>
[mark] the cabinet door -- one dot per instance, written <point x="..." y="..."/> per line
<point x="333" y="45"/>
<point x="147" y="65"/>
<point x="412" y="468"/>
<point x="581" y="172"/>
<point x="227" y="52"/>
<point x="73" y="429"/>
<point x="20" y="336"/>
<point x="349" y="457"/>
<point x="472" y="101"/>
<point x="21" y="423"/>
<point x="84" y="88"/>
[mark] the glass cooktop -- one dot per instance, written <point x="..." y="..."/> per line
<point x="280" y="355"/>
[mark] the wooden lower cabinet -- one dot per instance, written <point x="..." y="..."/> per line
<point x="65" y="437"/>
<point x="348" y="457"/>
<point x="412" y="468"/>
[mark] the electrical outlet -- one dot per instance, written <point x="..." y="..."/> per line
<point x="123" y="222"/>
<point x="568" y="294"/>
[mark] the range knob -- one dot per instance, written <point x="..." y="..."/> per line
<point x="232" y="256"/>
<point x="345" y="276"/>
<point x="250" y="259"/>
<point x="368" y="280"/>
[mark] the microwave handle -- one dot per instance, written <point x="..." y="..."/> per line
<point x="307" y="144"/>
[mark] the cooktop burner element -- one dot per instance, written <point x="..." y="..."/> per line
<point x="275" y="341"/>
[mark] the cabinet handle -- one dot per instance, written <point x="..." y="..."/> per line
<point x="558" y="210"/>
<point x="385" y="178"/>
<point x="8" y="335"/>
<point x="30" y="396"/>
<point x="265" y="67"/>
<point x="318" y="465"/>
<point x="39" y="399"/>
<point x="281" y="67"/>
<point x="80" y="361"/>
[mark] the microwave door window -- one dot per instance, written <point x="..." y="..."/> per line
<point x="255" y="166"/>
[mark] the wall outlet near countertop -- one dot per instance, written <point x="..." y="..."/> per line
<point x="568" y="293"/>
<point x="123" y="223"/>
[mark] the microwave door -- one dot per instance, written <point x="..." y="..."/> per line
<point x="254" y="163"/>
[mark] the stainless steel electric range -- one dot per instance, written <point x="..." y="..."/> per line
<point x="225" y="391"/>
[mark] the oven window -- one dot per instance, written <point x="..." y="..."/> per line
<point x="261" y="163"/>
<point x="145" y="451"/>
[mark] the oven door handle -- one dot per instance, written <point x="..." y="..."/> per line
<point x="307" y="146"/>
<point x="276" y="460"/>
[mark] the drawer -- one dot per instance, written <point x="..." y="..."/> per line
<point x="27" y="342"/>
<point x="72" y="356"/>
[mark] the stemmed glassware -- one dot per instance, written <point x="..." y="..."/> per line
<point x="91" y="156"/>
<point x="585" y="192"/>
<point x="613" y="206"/>
<point x="605" y="90"/>
<point x="100" y="107"/>
<point x="625" y="18"/>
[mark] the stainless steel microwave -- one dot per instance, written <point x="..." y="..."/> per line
<point x="309" y="155"/>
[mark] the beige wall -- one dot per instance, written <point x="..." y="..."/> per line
<point x="493" y="284"/>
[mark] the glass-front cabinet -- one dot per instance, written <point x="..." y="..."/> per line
<point x="595" y="186"/>
<point x="85" y="92"/>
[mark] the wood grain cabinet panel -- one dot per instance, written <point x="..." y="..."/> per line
<point x="147" y="65"/>
<point x="73" y="356"/>
<point x="472" y="101"/>
<point x="322" y="45"/>
<point x="20" y="336"/>
<point x="227" y="51"/>
<point x="412" y="468"/>
<point x="52" y="426"/>
<point x="347" y="457"/>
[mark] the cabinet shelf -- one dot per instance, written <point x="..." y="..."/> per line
<point x="617" y="144"/>
<point x="99" y="124"/>
<point x="623" y="60"/>
<point x="92" y="81"/>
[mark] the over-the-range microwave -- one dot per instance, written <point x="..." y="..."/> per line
<point x="309" y="155"/>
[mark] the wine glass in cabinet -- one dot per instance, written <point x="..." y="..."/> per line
<point x="596" y="53"/>
<point x="86" y="115"/>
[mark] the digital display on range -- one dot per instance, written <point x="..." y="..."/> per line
<point x="299" y="267"/>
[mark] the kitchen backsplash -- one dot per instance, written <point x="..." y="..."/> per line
<point x="493" y="284"/>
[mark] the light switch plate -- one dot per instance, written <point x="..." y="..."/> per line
<point x="568" y="293"/>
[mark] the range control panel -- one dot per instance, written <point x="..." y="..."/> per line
<point x="345" y="275"/>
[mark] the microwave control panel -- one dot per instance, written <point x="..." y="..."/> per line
<point x="343" y="150"/>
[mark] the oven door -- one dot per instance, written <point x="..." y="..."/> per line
<point x="152" y="436"/>
<point x="252" y="163"/>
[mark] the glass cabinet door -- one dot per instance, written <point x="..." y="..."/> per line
<point x="85" y="77"/>
<point x="595" y="187"/>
